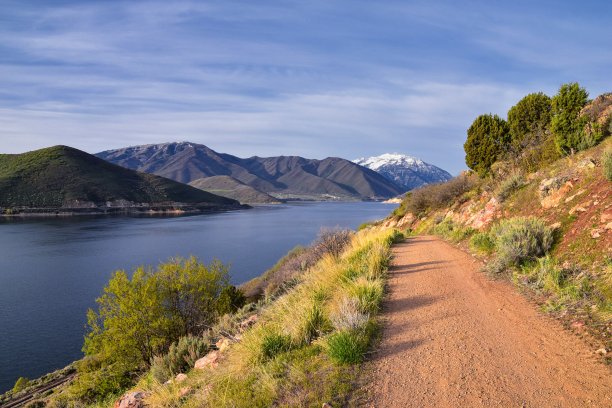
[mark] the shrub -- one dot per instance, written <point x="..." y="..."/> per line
<point x="519" y="239"/>
<point x="347" y="347"/>
<point x="20" y="384"/>
<point x="607" y="164"/>
<point x="273" y="344"/>
<point x="436" y="196"/>
<point x="180" y="358"/>
<point x="482" y="242"/>
<point x="487" y="139"/>
<point x="567" y="125"/>
<point x="349" y="316"/>
<point x="141" y="317"/>
<point x="331" y="241"/>
<point x="509" y="185"/>
<point x="452" y="231"/>
<point x="230" y="299"/>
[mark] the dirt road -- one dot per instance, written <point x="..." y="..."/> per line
<point x="454" y="338"/>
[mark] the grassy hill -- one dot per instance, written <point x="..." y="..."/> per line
<point x="229" y="187"/>
<point x="64" y="177"/>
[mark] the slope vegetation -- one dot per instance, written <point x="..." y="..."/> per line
<point x="283" y="176"/>
<point x="64" y="177"/>
<point x="229" y="187"/>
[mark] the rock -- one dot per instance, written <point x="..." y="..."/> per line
<point x="180" y="377"/>
<point x="209" y="360"/>
<point x="556" y="225"/>
<point x="596" y="233"/>
<point x="488" y="214"/>
<point x="577" y="208"/>
<point x="547" y="186"/>
<point x="602" y="351"/>
<point x="184" y="391"/>
<point x="223" y="344"/>
<point x="605" y="217"/>
<point x="245" y="324"/>
<point x="578" y="325"/>
<point x="133" y="399"/>
<point x="552" y="198"/>
<point x="587" y="163"/>
<point x="326" y="405"/>
<point x="608" y="226"/>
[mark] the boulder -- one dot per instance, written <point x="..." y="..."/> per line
<point x="209" y="360"/>
<point x="223" y="344"/>
<point x="245" y="324"/>
<point x="134" y="399"/>
<point x="180" y="377"/>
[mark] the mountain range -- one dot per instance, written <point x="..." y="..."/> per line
<point x="406" y="171"/>
<point x="62" y="177"/>
<point x="283" y="177"/>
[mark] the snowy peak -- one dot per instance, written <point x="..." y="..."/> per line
<point x="406" y="171"/>
<point x="386" y="159"/>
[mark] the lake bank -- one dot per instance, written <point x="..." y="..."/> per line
<point x="56" y="267"/>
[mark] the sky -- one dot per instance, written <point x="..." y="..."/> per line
<point x="314" y="78"/>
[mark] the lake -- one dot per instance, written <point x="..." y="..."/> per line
<point x="51" y="270"/>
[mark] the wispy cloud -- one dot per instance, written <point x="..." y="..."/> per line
<point x="283" y="77"/>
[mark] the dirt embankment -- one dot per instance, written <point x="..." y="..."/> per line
<point x="454" y="338"/>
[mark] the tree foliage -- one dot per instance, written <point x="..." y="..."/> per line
<point x="529" y="119"/>
<point x="567" y="125"/>
<point x="487" y="139"/>
<point x="140" y="317"/>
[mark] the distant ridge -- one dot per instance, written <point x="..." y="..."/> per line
<point x="229" y="187"/>
<point x="406" y="171"/>
<point x="283" y="176"/>
<point x="62" y="177"/>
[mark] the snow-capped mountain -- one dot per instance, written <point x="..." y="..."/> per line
<point x="406" y="171"/>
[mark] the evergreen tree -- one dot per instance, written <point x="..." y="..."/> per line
<point x="487" y="139"/>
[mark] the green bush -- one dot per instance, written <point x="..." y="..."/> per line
<point x="273" y="344"/>
<point x="607" y="164"/>
<point x="347" y="347"/>
<point x="230" y="299"/>
<point x="567" y="125"/>
<point x="488" y="138"/>
<point x="482" y="242"/>
<point x="518" y="240"/>
<point x="20" y="384"/>
<point x="180" y="358"/>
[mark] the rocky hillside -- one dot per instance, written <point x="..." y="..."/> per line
<point x="284" y="176"/>
<point x="572" y="197"/>
<point x="62" y="177"/>
<point x="406" y="171"/>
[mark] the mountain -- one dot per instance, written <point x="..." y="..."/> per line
<point x="227" y="186"/>
<point x="64" y="177"/>
<point x="282" y="176"/>
<point x="406" y="171"/>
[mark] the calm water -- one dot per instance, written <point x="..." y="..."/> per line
<point x="51" y="270"/>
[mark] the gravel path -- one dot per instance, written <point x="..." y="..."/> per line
<point x="454" y="338"/>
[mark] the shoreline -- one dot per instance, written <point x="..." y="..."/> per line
<point x="175" y="209"/>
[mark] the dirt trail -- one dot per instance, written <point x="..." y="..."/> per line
<point x="454" y="338"/>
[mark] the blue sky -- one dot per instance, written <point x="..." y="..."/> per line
<point x="314" y="78"/>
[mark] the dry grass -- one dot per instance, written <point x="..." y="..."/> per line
<point x="291" y="356"/>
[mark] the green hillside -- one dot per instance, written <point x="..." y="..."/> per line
<point x="62" y="176"/>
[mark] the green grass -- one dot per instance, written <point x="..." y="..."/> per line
<point x="308" y="342"/>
